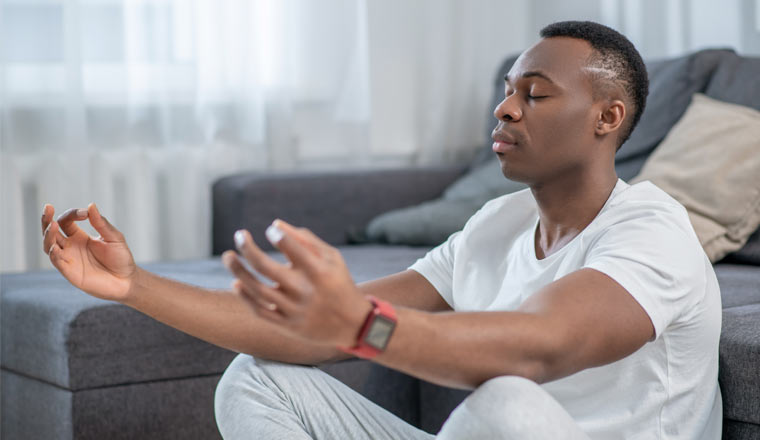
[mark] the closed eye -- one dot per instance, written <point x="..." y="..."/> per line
<point x="537" y="97"/>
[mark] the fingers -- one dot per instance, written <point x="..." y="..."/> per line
<point x="283" y="236"/>
<point x="303" y="235"/>
<point x="52" y="236"/>
<point x="56" y="256"/>
<point x="67" y="219"/>
<point x="107" y="231"/>
<point x="267" y="310"/>
<point x="263" y="263"/>
<point x="47" y="216"/>
<point x="255" y="289"/>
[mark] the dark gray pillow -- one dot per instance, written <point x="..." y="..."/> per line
<point x="672" y="82"/>
<point x="430" y="223"/>
<point x="427" y="224"/>
<point x="736" y="81"/>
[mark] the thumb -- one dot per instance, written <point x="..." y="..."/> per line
<point x="103" y="226"/>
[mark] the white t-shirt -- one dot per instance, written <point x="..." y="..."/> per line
<point x="641" y="238"/>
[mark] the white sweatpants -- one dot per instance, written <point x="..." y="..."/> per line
<point x="262" y="399"/>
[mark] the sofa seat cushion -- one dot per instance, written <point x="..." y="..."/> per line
<point x="740" y="363"/>
<point x="738" y="284"/>
<point x="53" y="332"/>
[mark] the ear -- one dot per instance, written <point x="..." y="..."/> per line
<point x="611" y="118"/>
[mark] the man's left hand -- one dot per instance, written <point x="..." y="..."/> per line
<point x="313" y="296"/>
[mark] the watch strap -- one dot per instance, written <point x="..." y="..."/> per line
<point x="362" y="349"/>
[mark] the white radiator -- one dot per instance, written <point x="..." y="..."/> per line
<point x="160" y="198"/>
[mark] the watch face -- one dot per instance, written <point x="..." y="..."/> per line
<point x="380" y="332"/>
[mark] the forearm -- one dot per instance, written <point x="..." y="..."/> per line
<point x="221" y="318"/>
<point x="463" y="350"/>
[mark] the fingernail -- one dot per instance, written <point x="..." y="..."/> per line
<point x="274" y="234"/>
<point x="239" y="239"/>
<point x="81" y="212"/>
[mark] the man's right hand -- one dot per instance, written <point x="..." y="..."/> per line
<point x="102" y="266"/>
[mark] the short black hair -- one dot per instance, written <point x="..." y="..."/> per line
<point x="614" y="53"/>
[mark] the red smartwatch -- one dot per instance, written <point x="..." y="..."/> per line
<point x="376" y="330"/>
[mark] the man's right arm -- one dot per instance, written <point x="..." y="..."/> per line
<point x="223" y="318"/>
<point x="104" y="267"/>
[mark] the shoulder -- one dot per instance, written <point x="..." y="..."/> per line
<point x="643" y="225"/>
<point x="647" y="208"/>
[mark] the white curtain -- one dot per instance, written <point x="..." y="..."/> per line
<point x="140" y="105"/>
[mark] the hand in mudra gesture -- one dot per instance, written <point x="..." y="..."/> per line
<point x="101" y="266"/>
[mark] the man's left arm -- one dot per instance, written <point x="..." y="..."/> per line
<point x="582" y="320"/>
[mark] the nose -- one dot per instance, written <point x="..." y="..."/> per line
<point x="508" y="109"/>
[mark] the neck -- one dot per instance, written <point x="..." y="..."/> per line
<point x="567" y="204"/>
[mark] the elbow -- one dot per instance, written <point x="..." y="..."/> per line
<point x="539" y="366"/>
<point x="538" y="370"/>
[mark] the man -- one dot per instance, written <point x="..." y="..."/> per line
<point x="597" y="290"/>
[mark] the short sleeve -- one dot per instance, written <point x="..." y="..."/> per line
<point x="656" y="257"/>
<point x="437" y="266"/>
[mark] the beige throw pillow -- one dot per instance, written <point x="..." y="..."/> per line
<point x="710" y="163"/>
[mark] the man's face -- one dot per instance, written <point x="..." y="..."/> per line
<point x="546" y="120"/>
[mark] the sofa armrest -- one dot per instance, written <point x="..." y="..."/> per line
<point x="328" y="203"/>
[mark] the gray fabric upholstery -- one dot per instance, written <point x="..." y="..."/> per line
<point x="740" y="363"/>
<point x="733" y="430"/>
<point x="735" y="80"/>
<point x="23" y="397"/>
<point x="436" y="403"/>
<point x="671" y="84"/>
<point x="162" y="410"/>
<point x="739" y="284"/>
<point x="56" y="333"/>
<point x="335" y="205"/>
<point x="428" y="223"/>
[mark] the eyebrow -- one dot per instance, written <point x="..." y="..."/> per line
<point x="529" y="74"/>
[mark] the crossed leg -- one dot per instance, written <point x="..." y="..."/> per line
<point x="264" y="399"/>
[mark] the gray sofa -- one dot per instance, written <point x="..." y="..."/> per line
<point x="78" y="367"/>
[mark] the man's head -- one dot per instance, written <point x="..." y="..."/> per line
<point x="572" y="98"/>
<point x="614" y="62"/>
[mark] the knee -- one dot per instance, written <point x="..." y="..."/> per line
<point x="249" y="379"/>
<point x="504" y="392"/>
<point x="231" y="386"/>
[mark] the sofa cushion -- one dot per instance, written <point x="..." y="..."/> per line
<point x="738" y="284"/>
<point x="709" y="163"/>
<point x="671" y="83"/>
<point x="735" y="80"/>
<point x="739" y="361"/>
<point x="53" y="332"/>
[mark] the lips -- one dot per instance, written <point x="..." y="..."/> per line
<point x="503" y="142"/>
